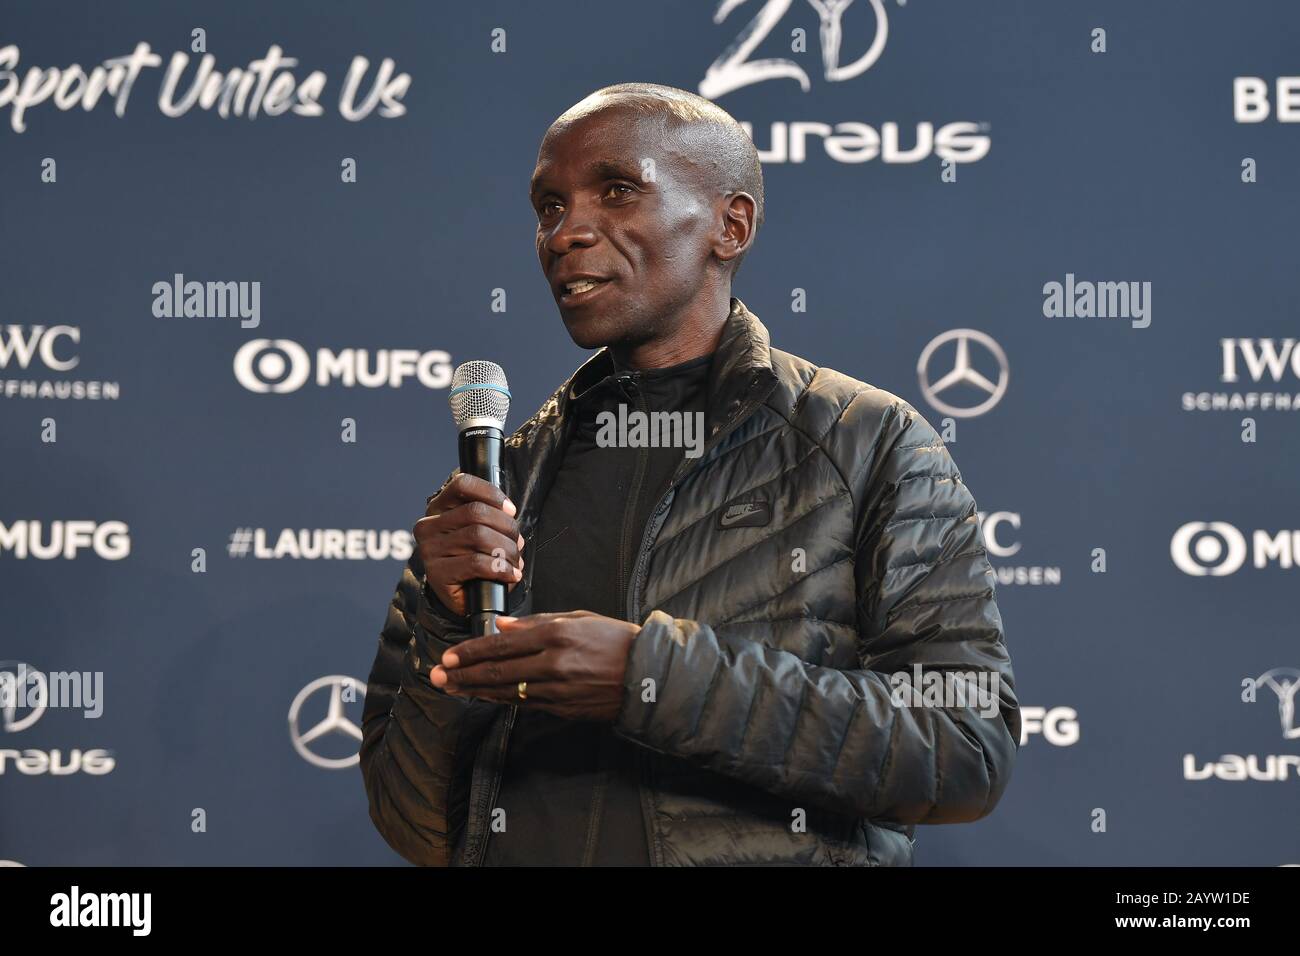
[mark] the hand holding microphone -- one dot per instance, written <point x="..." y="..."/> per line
<point x="468" y="540"/>
<point x="574" y="665"/>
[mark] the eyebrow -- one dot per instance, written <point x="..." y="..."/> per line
<point x="599" y="169"/>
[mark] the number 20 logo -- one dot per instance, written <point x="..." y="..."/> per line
<point x="731" y="71"/>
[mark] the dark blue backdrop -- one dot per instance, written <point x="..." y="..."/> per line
<point x="1116" y="166"/>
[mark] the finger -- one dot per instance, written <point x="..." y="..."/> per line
<point x="480" y="539"/>
<point x="531" y="622"/>
<point x="490" y="647"/>
<point x="472" y="513"/>
<point x="541" y="695"/>
<point x="465" y="488"/>
<point x="533" y="668"/>
<point x="551" y="629"/>
<point x="433" y="547"/>
<point x="459" y="568"/>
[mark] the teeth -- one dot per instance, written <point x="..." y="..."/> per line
<point x="575" y="287"/>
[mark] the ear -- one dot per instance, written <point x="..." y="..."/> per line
<point x="737" y="233"/>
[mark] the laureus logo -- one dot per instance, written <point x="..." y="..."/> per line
<point x="843" y="142"/>
<point x="1283" y="682"/>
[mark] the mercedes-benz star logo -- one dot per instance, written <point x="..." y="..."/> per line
<point x="965" y="372"/>
<point x="336" y="720"/>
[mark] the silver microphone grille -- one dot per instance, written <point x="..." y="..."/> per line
<point x="479" y="395"/>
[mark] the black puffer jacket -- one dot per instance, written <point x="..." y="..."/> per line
<point x="824" y="541"/>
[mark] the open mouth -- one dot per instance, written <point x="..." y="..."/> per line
<point x="581" y="290"/>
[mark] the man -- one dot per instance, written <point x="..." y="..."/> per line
<point x="703" y="655"/>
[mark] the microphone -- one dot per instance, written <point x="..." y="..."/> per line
<point x="480" y="401"/>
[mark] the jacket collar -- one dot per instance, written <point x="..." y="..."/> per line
<point x="742" y="362"/>
<point x="740" y="378"/>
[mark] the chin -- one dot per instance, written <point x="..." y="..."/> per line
<point x="592" y="331"/>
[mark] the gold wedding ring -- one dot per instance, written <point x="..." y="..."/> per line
<point x="523" y="690"/>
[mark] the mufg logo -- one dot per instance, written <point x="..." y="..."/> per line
<point x="1216" y="548"/>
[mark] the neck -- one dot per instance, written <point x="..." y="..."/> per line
<point x="696" y="335"/>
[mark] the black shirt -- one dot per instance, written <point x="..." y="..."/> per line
<point x="569" y="788"/>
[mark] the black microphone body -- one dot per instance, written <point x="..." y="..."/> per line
<point x="480" y="456"/>
<point x="480" y="402"/>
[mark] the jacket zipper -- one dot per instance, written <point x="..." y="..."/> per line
<point x="643" y="757"/>
<point x="652" y="526"/>
<point x="633" y="605"/>
<point x="480" y="847"/>
<point x="629" y="384"/>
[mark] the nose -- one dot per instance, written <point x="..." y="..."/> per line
<point x="574" y="230"/>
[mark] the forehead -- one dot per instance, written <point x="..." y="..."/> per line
<point x="613" y="141"/>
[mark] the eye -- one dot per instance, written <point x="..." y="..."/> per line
<point x="548" y="209"/>
<point x="619" y="190"/>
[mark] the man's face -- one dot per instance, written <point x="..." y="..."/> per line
<point x="644" y="241"/>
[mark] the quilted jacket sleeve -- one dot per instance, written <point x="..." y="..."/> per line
<point x="839" y="739"/>
<point x="418" y="743"/>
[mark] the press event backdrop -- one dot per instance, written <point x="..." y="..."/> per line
<point x="928" y="181"/>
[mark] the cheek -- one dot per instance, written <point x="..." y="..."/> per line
<point x="689" y="229"/>
<point x="675" y="244"/>
<point x="682" y="215"/>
